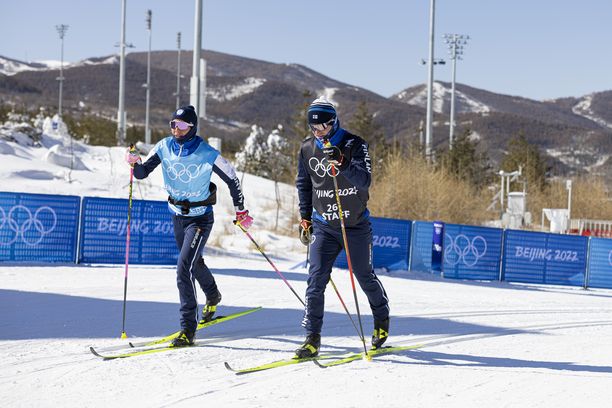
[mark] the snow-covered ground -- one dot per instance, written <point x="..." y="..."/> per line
<point x="483" y="344"/>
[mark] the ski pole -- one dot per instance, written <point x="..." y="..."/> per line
<point x="236" y="222"/>
<point x="348" y="255"/>
<point x="127" y="245"/>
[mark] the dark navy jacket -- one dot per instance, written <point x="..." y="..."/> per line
<point x="315" y="184"/>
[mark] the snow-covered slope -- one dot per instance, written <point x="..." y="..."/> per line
<point x="9" y="66"/>
<point x="464" y="103"/>
<point x="584" y="108"/>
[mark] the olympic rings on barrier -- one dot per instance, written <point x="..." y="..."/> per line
<point x="177" y="170"/>
<point x="610" y="257"/>
<point x="31" y="227"/>
<point x="462" y="249"/>
<point x="319" y="167"/>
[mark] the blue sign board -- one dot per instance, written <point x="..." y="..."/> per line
<point x="104" y="226"/>
<point x="390" y="243"/>
<point x="420" y="252"/>
<point x="600" y="263"/>
<point x="536" y="257"/>
<point x="38" y="227"/>
<point x="472" y="252"/>
<point x="44" y="228"/>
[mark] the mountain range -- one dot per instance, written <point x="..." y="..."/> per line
<point x="574" y="133"/>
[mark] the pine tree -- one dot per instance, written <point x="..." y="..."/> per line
<point x="279" y="155"/>
<point x="299" y="122"/>
<point x="363" y="125"/>
<point x="522" y="153"/>
<point x="279" y="163"/>
<point x="465" y="162"/>
<point x="253" y="156"/>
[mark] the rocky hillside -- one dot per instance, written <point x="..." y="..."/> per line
<point x="576" y="133"/>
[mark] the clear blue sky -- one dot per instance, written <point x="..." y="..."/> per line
<point x="539" y="49"/>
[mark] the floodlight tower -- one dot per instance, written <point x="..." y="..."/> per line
<point x="455" y="49"/>
<point x="148" y="84"/>
<point x="61" y="30"/>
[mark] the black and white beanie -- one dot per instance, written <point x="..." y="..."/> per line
<point x="321" y="111"/>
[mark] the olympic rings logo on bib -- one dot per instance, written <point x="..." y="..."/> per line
<point x="178" y="170"/>
<point x="320" y="167"/>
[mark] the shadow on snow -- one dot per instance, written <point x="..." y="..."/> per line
<point x="34" y="315"/>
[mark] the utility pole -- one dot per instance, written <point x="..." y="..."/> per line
<point x="436" y="61"/>
<point x="61" y="30"/>
<point x="430" y="61"/>
<point x="197" y="48"/>
<point x="148" y="84"/>
<point x="455" y="48"/>
<point x="178" y="71"/>
<point x="121" y="107"/>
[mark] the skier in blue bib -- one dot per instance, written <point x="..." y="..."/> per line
<point x="187" y="164"/>
<point x="333" y="152"/>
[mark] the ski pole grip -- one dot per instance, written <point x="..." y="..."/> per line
<point x="238" y="224"/>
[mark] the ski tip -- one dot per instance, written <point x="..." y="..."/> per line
<point x="233" y="370"/>
<point x="316" y="362"/>
<point x="94" y="352"/>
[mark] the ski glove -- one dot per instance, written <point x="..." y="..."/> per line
<point x="244" y="219"/>
<point x="305" y="231"/>
<point x="131" y="157"/>
<point x="333" y="155"/>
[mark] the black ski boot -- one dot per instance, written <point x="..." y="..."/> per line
<point x="381" y="332"/>
<point x="185" y="338"/>
<point x="210" y="308"/>
<point x="310" y="348"/>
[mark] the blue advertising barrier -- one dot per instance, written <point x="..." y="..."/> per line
<point x="472" y="252"/>
<point x="390" y="243"/>
<point x="103" y="232"/>
<point x="600" y="263"/>
<point x="420" y="251"/>
<point x="535" y="257"/>
<point x="38" y="227"/>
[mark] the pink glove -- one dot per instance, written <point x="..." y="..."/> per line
<point x="244" y="219"/>
<point x="131" y="157"/>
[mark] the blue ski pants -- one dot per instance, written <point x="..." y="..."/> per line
<point x="191" y="234"/>
<point x="325" y="246"/>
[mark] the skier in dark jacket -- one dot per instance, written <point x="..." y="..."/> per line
<point x="320" y="225"/>
<point x="187" y="164"/>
